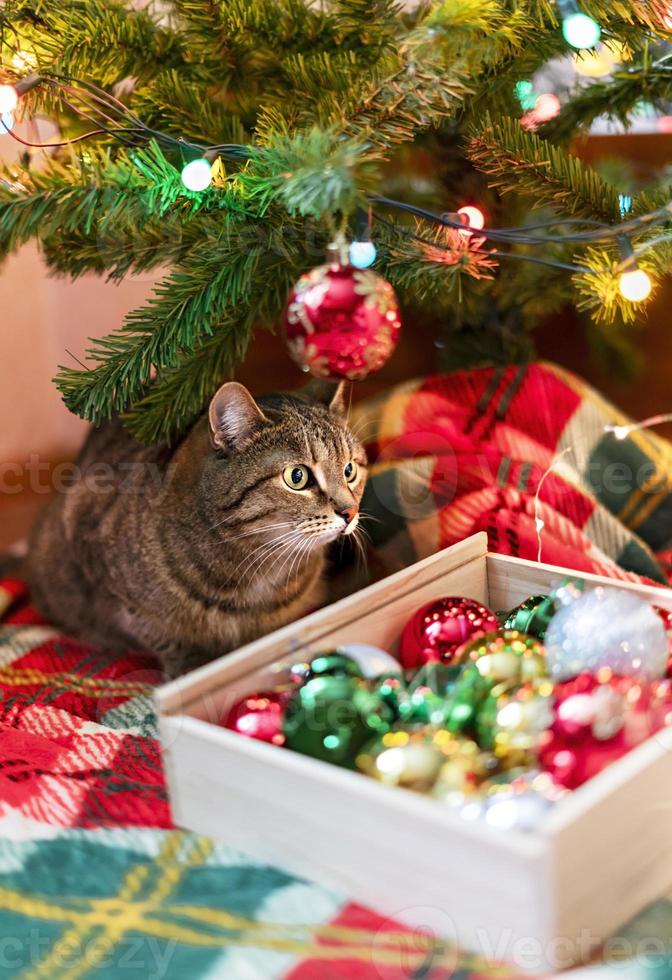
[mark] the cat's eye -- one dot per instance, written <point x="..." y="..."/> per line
<point x="296" y="477"/>
<point x="350" y="472"/>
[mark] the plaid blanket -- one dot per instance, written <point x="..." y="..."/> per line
<point x="95" y="881"/>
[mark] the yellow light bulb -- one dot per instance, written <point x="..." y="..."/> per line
<point x="635" y="285"/>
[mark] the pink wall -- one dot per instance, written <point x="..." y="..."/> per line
<point x="42" y="319"/>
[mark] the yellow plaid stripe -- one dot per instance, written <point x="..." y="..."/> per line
<point x="92" y="687"/>
<point x="138" y="907"/>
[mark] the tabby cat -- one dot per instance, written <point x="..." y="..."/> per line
<point x="191" y="552"/>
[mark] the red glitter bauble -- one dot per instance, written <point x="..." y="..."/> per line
<point x="666" y="616"/>
<point x="341" y="322"/>
<point x="435" y="632"/>
<point x="597" y="721"/>
<point x="259" y="716"/>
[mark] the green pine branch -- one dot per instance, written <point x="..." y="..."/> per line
<point x="615" y="98"/>
<point x="521" y="162"/>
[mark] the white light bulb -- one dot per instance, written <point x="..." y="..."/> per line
<point x="8" y="99"/>
<point x="635" y="285"/>
<point x="197" y="175"/>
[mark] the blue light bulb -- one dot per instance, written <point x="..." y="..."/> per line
<point x="197" y="175"/>
<point x="6" y="123"/>
<point x="581" y="31"/>
<point x="362" y="254"/>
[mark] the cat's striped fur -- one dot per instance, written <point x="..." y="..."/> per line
<point x="194" y="551"/>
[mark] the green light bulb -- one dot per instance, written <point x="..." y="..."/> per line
<point x="581" y="31"/>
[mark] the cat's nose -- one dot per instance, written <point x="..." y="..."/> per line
<point x="348" y="514"/>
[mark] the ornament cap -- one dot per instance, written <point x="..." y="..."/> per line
<point x="338" y="253"/>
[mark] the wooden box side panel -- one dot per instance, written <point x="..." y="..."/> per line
<point x="375" y="615"/>
<point x="611" y="844"/>
<point x="510" y="580"/>
<point x="402" y="855"/>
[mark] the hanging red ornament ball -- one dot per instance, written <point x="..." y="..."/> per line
<point x="435" y="631"/>
<point x="341" y="322"/>
<point x="599" y="720"/>
<point x="260" y="715"/>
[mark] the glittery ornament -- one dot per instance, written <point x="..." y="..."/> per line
<point x="519" y="800"/>
<point x="341" y="322"/>
<point x="259" y="716"/>
<point x="532" y="616"/>
<point x="463" y="772"/>
<point x="332" y="716"/>
<point x="435" y="631"/>
<point x="666" y="616"/>
<point x="334" y="663"/>
<point x="597" y="721"/>
<point x="411" y="759"/>
<point x="372" y="661"/>
<point x="607" y="627"/>
<point x="511" y="720"/>
<point x="505" y="656"/>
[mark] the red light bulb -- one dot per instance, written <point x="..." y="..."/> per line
<point x="475" y="218"/>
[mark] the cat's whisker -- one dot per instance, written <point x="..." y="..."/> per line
<point x="260" y="552"/>
<point x="260" y="530"/>
<point x="364" y="515"/>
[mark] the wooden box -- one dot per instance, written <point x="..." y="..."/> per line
<point x="541" y="900"/>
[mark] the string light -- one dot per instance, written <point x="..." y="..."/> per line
<point x="197" y="175"/>
<point x="473" y="219"/>
<point x="619" y="432"/>
<point x="9" y="99"/>
<point x="362" y="254"/>
<point x="578" y="29"/>
<point x="635" y="285"/>
<point x="92" y="103"/>
<point x="6" y="123"/>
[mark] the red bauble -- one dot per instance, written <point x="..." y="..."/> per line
<point x="341" y="322"/>
<point x="666" y="616"/>
<point x="435" y="631"/>
<point x="599" y="721"/>
<point x="259" y="716"/>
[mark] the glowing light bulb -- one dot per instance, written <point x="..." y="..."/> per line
<point x="8" y="99"/>
<point x="197" y="175"/>
<point x="24" y="61"/>
<point x="635" y="285"/>
<point x="624" y="204"/>
<point x="526" y="94"/>
<point x="362" y="254"/>
<point x="474" y="218"/>
<point x="6" y="123"/>
<point x="580" y="30"/>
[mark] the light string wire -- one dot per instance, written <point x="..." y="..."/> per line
<point x="92" y="103"/>
<point x="620" y="433"/>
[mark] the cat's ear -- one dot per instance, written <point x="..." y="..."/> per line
<point x="233" y="415"/>
<point x="329" y="393"/>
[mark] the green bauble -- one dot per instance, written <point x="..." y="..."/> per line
<point x="330" y="664"/>
<point x="331" y="718"/>
<point x="391" y="689"/>
<point x="463" y="702"/>
<point x="532" y="616"/>
<point x="422" y="707"/>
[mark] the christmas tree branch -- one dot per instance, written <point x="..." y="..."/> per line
<point x="515" y="160"/>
